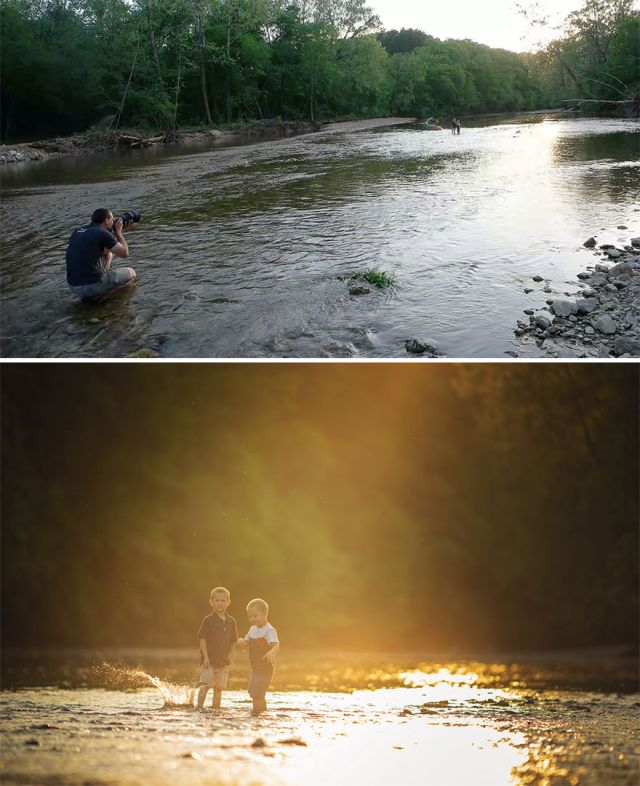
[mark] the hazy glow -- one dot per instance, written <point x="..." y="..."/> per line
<point x="495" y="23"/>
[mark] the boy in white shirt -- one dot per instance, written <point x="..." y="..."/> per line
<point x="263" y="645"/>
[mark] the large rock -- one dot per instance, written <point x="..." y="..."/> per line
<point x="419" y="347"/>
<point x="626" y="345"/>
<point x="598" y="279"/>
<point x="635" y="241"/>
<point x="613" y="253"/>
<point x="563" y="308"/>
<point x="605" y="324"/>
<point x="587" y="305"/>
<point x="621" y="269"/>
<point x="542" y="322"/>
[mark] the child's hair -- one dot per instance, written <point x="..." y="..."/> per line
<point x="220" y="591"/>
<point x="258" y="603"/>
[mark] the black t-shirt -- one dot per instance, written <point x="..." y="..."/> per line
<point x="86" y="246"/>
<point x="221" y="635"/>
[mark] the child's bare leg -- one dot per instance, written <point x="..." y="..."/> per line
<point x="217" y="698"/>
<point x="202" y="695"/>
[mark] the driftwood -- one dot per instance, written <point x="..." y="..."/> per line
<point x="129" y="140"/>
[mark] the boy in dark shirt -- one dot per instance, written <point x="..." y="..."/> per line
<point x="218" y="635"/>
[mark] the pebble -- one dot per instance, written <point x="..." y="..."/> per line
<point x="537" y="278"/>
<point x="144" y="352"/>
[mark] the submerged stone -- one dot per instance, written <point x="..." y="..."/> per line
<point x="418" y="347"/>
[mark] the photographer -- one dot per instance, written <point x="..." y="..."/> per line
<point x="90" y="253"/>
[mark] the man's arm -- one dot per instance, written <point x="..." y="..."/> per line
<point x="205" y="653"/>
<point x="121" y="249"/>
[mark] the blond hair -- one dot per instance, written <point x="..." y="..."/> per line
<point x="258" y="603"/>
<point x="220" y="591"/>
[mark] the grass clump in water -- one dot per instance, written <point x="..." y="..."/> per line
<point x="378" y="278"/>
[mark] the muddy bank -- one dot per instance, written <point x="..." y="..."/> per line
<point x="601" y="319"/>
<point x="85" y="144"/>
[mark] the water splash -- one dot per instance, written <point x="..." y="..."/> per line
<point x="116" y="677"/>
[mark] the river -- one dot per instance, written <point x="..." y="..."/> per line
<point x="243" y="251"/>
<point x="331" y="719"/>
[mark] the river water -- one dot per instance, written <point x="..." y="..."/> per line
<point x="242" y="250"/>
<point x="389" y="721"/>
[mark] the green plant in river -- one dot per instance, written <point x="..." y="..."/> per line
<point x="378" y="278"/>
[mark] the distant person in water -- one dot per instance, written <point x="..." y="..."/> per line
<point x="263" y="645"/>
<point x="218" y="635"/>
<point x="90" y="253"/>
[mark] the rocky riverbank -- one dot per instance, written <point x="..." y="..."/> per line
<point x="100" y="142"/>
<point x="603" y="320"/>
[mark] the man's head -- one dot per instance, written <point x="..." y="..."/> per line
<point x="103" y="217"/>
<point x="258" y="611"/>
<point x="220" y="599"/>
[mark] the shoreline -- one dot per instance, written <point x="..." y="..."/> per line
<point x="602" y="319"/>
<point x="88" y="144"/>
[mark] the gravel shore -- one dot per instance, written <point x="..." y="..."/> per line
<point x="603" y="321"/>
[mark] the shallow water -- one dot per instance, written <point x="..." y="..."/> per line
<point x="241" y="249"/>
<point x="463" y="723"/>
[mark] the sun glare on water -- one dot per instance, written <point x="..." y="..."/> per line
<point x="395" y="745"/>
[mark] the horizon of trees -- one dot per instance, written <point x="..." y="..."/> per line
<point x="469" y="506"/>
<point x="168" y="63"/>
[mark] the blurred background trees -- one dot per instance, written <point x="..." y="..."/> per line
<point x="462" y="505"/>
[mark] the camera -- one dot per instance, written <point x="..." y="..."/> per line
<point x="128" y="217"/>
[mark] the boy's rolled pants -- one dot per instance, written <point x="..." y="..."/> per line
<point x="259" y="684"/>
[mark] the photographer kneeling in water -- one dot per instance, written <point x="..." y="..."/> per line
<point x="90" y="253"/>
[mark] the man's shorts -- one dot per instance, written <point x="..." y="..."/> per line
<point x="115" y="277"/>
<point x="215" y="677"/>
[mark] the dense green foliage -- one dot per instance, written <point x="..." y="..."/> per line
<point x="597" y="60"/>
<point x="69" y="63"/>
<point x="468" y="505"/>
<point x="66" y="64"/>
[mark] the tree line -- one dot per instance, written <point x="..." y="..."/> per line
<point x="66" y="64"/>
<point x="468" y="505"/>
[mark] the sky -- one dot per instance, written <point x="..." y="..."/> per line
<point x="495" y="23"/>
